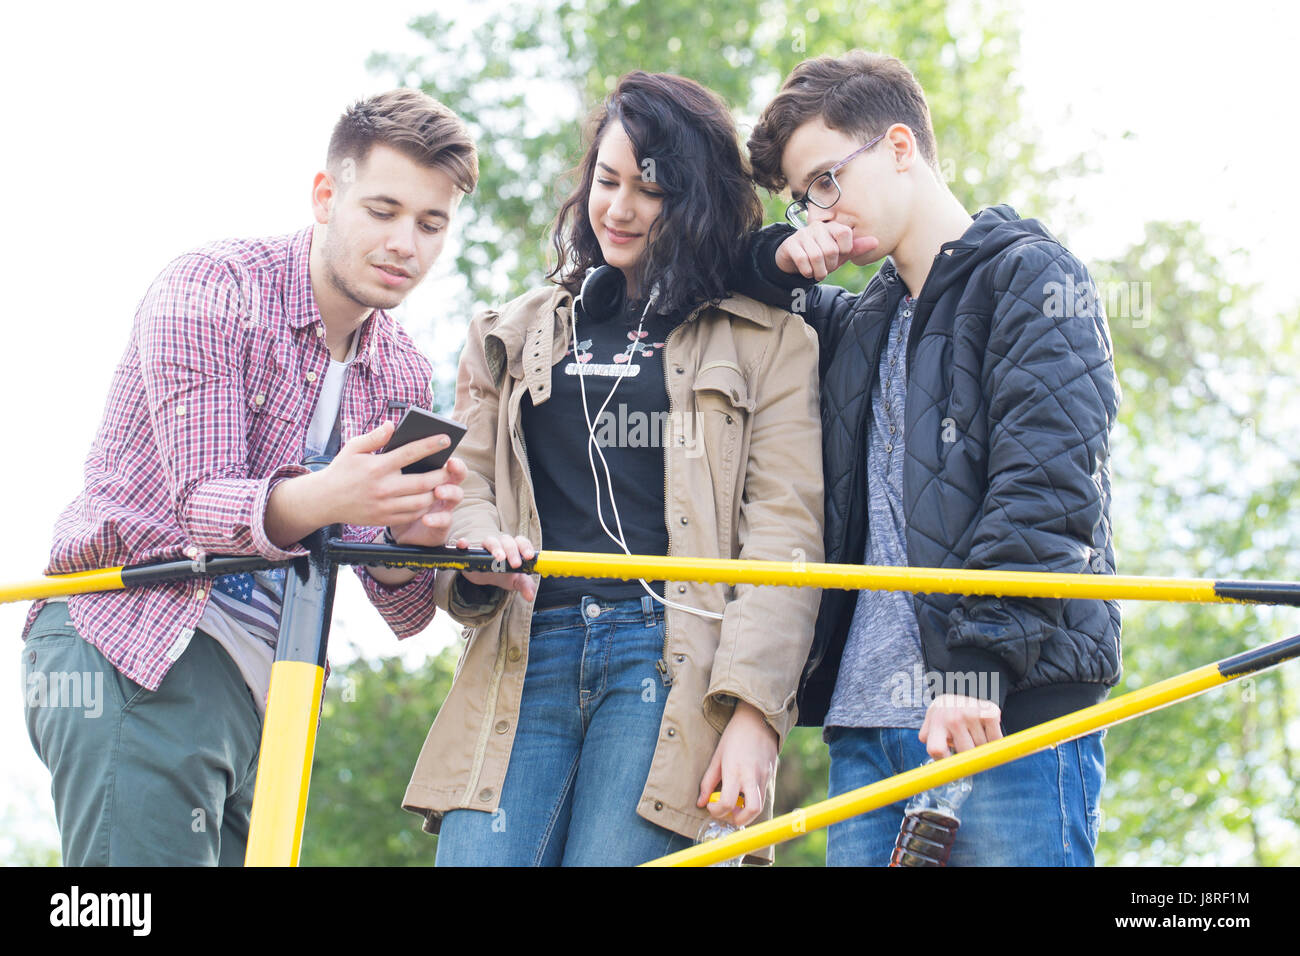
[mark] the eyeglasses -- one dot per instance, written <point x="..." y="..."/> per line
<point x="824" y="191"/>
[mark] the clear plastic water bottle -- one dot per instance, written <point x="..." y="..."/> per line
<point x="930" y="825"/>
<point x="715" y="829"/>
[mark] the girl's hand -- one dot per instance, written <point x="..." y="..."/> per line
<point x="743" y="764"/>
<point x="513" y="551"/>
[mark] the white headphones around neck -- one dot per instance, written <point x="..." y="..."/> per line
<point x="607" y="291"/>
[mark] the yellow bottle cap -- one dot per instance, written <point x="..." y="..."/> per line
<point x="716" y="795"/>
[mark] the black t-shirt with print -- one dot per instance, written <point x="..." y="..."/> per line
<point x="631" y="432"/>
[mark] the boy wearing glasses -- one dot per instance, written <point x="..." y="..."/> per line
<point x="966" y="414"/>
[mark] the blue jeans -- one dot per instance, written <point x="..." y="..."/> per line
<point x="1040" y="810"/>
<point x="588" y="724"/>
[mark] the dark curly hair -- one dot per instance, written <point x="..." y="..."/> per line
<point x="709" y="207"/>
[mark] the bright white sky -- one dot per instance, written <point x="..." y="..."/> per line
<point x="137" y="131"/>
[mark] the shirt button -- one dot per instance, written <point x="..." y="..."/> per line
<point x="180" y="409"/>
<point x="679" y="658"/>
<point x="485" y="793"/>
<point x="889" y="448"/>
<point x="502" y="726"/>
<point x="672" y="732"/>
<point x="593" y="610"/>
<point x="513" y="654"/>
<point x="198" y="595"/>
<point x="311" y="376"/>
<point x="320" y="331"/>
<point x="259" y="400"/>
<point x="659" y="805"/>
<point x="892" y="429"/>
<point x="685" y="520"/>
<point x="681" y="589"/>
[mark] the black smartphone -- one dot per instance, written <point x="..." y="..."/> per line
<point x="417" y="424"/>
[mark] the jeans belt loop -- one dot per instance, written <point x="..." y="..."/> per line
<point x="648" y="610"/>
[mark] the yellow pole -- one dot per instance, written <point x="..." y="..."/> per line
<point x="58" y="585"/>
<point x="865" y="577"/>
<point x="284" y="764"/>
<point x="899" y="787"/>
<point x="1039" y="584"/>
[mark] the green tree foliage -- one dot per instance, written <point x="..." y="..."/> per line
<point x="373" y="723"/>
<point x="524" y="79"/>
<point x="1205" y="463"/>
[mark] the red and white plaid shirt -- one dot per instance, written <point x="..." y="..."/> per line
<point x="207" y="412"/>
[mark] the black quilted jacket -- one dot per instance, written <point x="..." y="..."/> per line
<point x="1011" y="396"/>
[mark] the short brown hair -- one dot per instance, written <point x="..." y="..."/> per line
<point x="414" y="124"/>
<point x="859" y="93"/>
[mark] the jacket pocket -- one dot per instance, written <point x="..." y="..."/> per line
<point x="722" y="406"/>
<point x="717" y="438"/>
<point x="723" y="383"/>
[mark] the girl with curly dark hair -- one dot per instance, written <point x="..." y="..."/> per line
<point x="633" y="406"/>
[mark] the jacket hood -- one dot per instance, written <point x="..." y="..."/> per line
<point x="990" y="234"/>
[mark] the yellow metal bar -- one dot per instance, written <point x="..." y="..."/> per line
<point x="1040" y="584"/>
<point x="860" y="577"/>
<point x="899" y="787"/>
<point x="59" y="585"/>
<point x="284" y="764"/>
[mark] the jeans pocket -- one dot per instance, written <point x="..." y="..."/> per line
<point x="52" y="622"/>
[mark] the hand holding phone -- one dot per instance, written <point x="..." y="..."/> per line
<point x="417" y="424"/>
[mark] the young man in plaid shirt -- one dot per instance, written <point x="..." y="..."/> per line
<point x="245" y="358"/>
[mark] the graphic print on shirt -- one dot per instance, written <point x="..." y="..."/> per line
<point x="620" y="363"/>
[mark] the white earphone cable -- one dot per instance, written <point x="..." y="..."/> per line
<point x="620" y="539"/>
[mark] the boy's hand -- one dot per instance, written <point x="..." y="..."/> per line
<point x="959" y="723"/>
<point x="430" y="530"/>
<point x="366" y="487"/>
<point x="820" y="248"/>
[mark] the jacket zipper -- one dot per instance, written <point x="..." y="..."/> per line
<point x="941" y="260"/>
<point x="913" y="337"/>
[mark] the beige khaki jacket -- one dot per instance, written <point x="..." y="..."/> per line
<point x="743" y="479"/>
